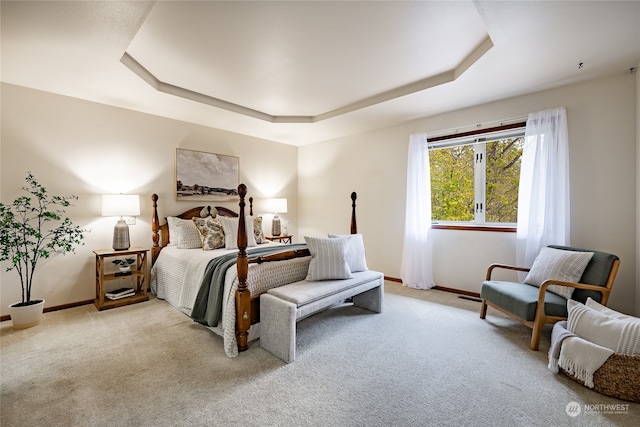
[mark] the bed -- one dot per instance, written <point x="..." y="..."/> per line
<point x="178" y="270"/>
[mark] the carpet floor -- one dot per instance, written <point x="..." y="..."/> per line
<point x="427" y="360"/>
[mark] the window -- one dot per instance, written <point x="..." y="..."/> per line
<point x="475" y="178"/>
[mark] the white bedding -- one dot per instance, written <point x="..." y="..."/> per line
<point x="177" y="274"/>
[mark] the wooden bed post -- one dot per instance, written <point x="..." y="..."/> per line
<point x="243" y="297"/>
<point x="155" y="227"/>
<point x="354" y="224"/>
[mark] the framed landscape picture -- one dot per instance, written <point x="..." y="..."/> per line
<point x="206" y="176"/>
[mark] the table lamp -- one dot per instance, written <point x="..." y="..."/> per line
<point x="276" y="206"/>
<point x="120" y="205"/>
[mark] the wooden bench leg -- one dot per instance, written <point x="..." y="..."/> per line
<point x="278" y="327"/>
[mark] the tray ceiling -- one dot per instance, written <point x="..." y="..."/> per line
<point x="302" y="72"/>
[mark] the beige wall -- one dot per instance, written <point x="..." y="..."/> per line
<point x="637" y="176"/>
<point x="87" y="149"/>
<point x="602" y="131"/>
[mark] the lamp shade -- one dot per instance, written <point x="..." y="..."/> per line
<point x="120" y="205"/>
<point x="276" y="205"/>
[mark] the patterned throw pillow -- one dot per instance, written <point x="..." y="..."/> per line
<point x="257" y="230"/>
<point x="328" y="258"/>
<point x="355" y="257"/>
<point x="211" y="231"/>
<point x="558" y="264"/>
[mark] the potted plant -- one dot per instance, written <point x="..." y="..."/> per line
<point x="34" y="227"/>
<point x="124" y="264"/>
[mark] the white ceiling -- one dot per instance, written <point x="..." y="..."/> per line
<point x="300" y="72"/>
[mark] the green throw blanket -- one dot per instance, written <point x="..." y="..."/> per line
<point x="207" y="308"/>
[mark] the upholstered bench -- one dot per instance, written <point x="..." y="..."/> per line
<point x="282" y="307"/>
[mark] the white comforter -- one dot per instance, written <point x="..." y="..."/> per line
<point x="176" y="274"/>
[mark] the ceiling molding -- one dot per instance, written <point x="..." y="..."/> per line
<point x="417" y="86"/>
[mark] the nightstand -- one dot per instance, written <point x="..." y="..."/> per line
<point x="284" y="238"/>
<point x="138" y="273"/>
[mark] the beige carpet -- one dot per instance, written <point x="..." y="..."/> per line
<point x="428" y="360"/>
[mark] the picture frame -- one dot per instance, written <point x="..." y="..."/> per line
<point x="208" y="177"/>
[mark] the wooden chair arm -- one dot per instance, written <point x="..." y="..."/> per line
<point x="547" y="283"/>
<point x="504" y="266"/>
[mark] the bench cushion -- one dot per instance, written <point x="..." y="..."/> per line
<point x="306" y="292"/>
<point x="521" y="299"/>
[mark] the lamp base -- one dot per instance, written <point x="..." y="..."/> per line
<point x="121" y="236"/>
<point x="275" y="226"/>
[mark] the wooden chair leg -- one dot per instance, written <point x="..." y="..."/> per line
<point x="536" y="334"/>
<point x="483" y="308"/>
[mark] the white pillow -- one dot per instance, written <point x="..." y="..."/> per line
<point x="594" y="305"/>
<point x="230" y="226"/>
<point x="621" y="336"/>
<point x="328" y="258"/>
<point x="184" y="233"/>
<point x="558" y="264"/>
<point x="356" y="255"/>
<point x="173" y="232"/>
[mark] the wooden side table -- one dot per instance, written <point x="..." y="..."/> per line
<point x="140" y="274"/>
<point x="284" y="238"/>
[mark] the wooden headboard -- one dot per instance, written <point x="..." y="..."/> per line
<point x="160" y="232"/>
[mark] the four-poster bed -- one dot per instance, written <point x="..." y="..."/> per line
<point x="272" y="264"/>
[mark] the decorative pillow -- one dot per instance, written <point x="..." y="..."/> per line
<point x="205" y="212"/>
<point x="356" y="256"/>
<point x="257" y="230"/>
<point x="594" y="305"/>
<point x="328" y="258"/>
<point x="184" y="233"/>
<point x="211" y="231"/>
<point x="558" y="264"/>
<point x="619" y="335"/>
<point x="230" y="226"/>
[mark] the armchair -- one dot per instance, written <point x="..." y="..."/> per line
<point x="535" y="306"/>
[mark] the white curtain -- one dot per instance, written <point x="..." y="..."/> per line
<point x="543" y="197"/>
<point x="416" y="270"/>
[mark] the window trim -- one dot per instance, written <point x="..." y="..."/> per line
<point x="473" y="227"/>
<point x="497" y="130"/>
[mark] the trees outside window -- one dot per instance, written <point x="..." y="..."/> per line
<point x="477" y="182"/>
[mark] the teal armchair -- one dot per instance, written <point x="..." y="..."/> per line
<point x="535" y="306"/>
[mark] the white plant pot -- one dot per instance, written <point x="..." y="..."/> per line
<point x="26" y="316"/>
<point x="125" y="269"/>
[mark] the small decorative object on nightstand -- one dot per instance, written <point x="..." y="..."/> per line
<point x="138" y="273"/>
<point x="285" y="238"/>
